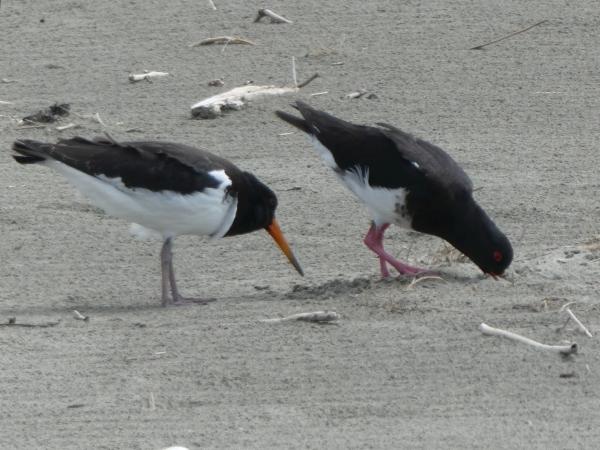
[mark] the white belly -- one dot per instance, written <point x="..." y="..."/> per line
<point x="385" y="205"/>
<point x="169" y="213"/>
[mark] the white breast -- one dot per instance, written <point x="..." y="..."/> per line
<point x="169" y="213"/>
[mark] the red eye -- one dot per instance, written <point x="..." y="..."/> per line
<point x="497" y="256"/>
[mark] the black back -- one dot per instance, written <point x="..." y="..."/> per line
<point x="159" y="166"/>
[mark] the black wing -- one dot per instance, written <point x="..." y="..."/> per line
<point x="156" y="166"/>
<point x="394" y="158"/>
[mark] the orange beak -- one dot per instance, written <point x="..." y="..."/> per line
<point x="277" y="236"/>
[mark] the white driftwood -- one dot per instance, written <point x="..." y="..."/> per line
<point x="316" y="316"/>
<point x="212" y="5"/>
<point x="3" y="102"/>
<point x="275" y="18"/>
<point x="223" y="40"/>
<point x="235" y="99"/>
<point x="135" y="77"/>
<point x="562" y="349"/>
<point x="572" y="315"/>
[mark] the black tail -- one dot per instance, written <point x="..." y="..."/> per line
<point x="30" y="152"/>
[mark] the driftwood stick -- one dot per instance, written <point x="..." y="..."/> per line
<point x="236" y="98"/>
<point x="275" y="18"/>
<point x="480" y="47"/>
<point x="562" y="349"/>
<point x="212" y="5"/>
<point x="316" y="316"/>
<point x="135" y="77"/>
<point x="223" y="40"/>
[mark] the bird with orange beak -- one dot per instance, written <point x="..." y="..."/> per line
<point x="167" y="188"/>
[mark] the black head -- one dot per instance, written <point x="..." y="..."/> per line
<point x="465" y="225"/>
<point x="256" y="205"/>
<point x="255" y="210"/>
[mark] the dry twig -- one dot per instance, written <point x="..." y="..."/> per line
<point x="275" y="18"/>
<point x="77" y="315"/>
<point x="562" y="349"/>
<point x="316" y="316"/>
<point x="480" y="47"/>
<point x="12" y="322"/>
<point x="417" y="280"/>
<point x="575" y="319"/>
<point x="223" y="40"/>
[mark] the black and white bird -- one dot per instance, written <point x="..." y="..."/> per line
<point x="408" y="182"/>
<point x="167" y="188"/>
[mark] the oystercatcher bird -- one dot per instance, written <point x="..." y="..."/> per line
<point x="405" y="181"/>
<point x="164" y="187"/>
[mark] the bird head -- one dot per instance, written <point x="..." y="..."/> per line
<point x="256" y="209"/>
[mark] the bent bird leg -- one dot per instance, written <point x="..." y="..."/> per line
<point x="374" y="241"/>
<point x="178" y="299"/>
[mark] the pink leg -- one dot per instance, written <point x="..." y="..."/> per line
<point x="374" y="240"/>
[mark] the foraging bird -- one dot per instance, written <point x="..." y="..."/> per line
<point x="169" y="188"/>
<point x="405" y="181"/>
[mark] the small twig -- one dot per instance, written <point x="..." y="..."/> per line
<point x="575" y="319"/>
<point x="317" y="316"/>
<point x="80" y="316"/>
<point x="66" y="127"/>
<point x="12" y="322"/>
<point x="3" y="102"/>
<point x="135" y="77"/>
<point x="315" y="94"/>
<point x="212" y="5"/>
<point x="562" y="349"/>
<point x="294" y="77"/>
<point x="275" y="18"/>
<point x="419" y="279"/>
<point x="286" y="134"/>
<point x="305" y="83"/>
<point x="151" y="402"/>
<point x="221" y="40"/>
<point x="479" y="47"/>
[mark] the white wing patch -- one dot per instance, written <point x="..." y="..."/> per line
<point x="210" y="212"/>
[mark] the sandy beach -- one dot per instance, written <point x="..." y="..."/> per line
<point x="405" y="366"/>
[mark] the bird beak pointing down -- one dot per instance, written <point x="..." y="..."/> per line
<point x="275" y="232"/>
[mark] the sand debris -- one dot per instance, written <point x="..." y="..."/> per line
<point x="48" y="115"/>
<point x="316" y="316"/>
<point x="568" y="349"/>
<point x="147" y="76"/>
<point x="275" y="18"/>
<point x="223" y="40"/>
